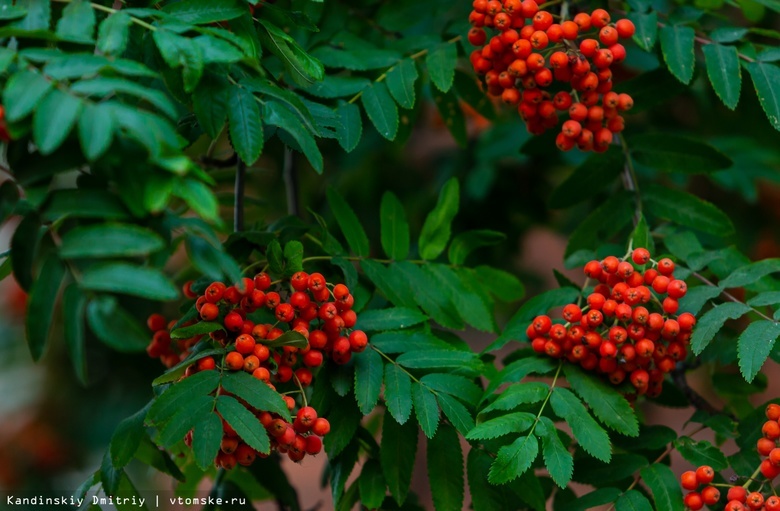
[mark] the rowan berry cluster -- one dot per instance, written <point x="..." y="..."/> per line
<point x="528" y="52"/>
<point x="629" y="327"/>
<point x="738" y="497"/>
<point x="319" y="311"/>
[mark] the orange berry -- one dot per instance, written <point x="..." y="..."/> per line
<point x="234" y="361"/>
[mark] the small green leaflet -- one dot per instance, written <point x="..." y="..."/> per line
<point x="766" y="79"/>
<point x="712" y="321"/>
<point x="114" y="326"/>
<point x="502" y="425"/>
<point x="664" y="486"/>
<point x="398" y="392"/>
<point x="686" y="209"/>
<point x="441" y="61"/>
<point x="750" y="273"/>
<point x="754" y="346"/>
<point x="178" y="395"/>
<point x="515" y="395"/>
<point x="246" y="127"/>
<point x="557" y="459"/>
<point x="372" y="484"/>
<point x="606" y="403"/>
<point x="349" y="223"/>
<point x="701" y="453"/>
<point x="244" y="422"/>
<point x="55" y="116"/>
<point x="206" y="439"/>
<point x="397" y="454"/>
<point x="646" y="29"/>
<point x="671" y="153"/>
<point x="350" y="128"/>
<point x="127" y="437"/>
<point x="113" y="33"/>
<point x="41" y="304"/>
<point x="381" y="109"/>
<point x="255" y="392"/>
<point x="724" y="72"/>
<point x="587" y="432"/>
<point x="128" y="279"/>
<point x="389" y="319"/>
<point x="456" y="413"/>
<point x="109" y="240"/>
<point x="426" y="408"/>
<point x="400" y="82"/>
<point x="513" y="460"/>
<point x="466" y="242"/>
<point x="677" y="48"/>
<point x="436" y="230"/>
<point x="633" y="501"/>
<point x="369" y="370"/>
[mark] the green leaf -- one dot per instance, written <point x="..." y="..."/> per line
<point x="302" y="68"/>
<point x="595" y="498"/>
<point x="77" y="23"/>
<point x="398" y="393"/>
<point x="646" y="29"/>
<point x="400" y="81"/>
<point x="701" y="453"/>
<point x="503" y="285"/>
<point x="471" y="302"/>
<point x="750" y="273"/>
<point x="754" y="346"/>
<point x="114" y="326"/>
<point x="38" y="15"/>
<point x="74" y="306"/>
<point x="766" y="298"/>
<point x="200" y="12"/>
<point x="199" y="328"/>
<point x="514" y="459"/>
<point x="398" y="450"/>
<point x="372" y="484"/>
<point x="441" y="61"/>
<point x="276" y="114"/>
<point x="671" y="153"/>
<point x="293" y="257"/>
<point x="589" y="178"/>
<point x="96" y="130"/>
<point x="603" y="223"/>
<point x="766" y="79"/>
<point x="346" y="417"/>
<point x="502" y="425"/>
<point x="128" y="279"/>
<point x="185" y="419"/>
<point x="41" y="304"/>
<point x="606" y="403"/>
<point x="437" y="359"/>
<point x="54" y="118"/>
<point x="210" y="104"/>
<point x="394" y="227"/>
<point x="426" y="408"/>
<point x="245" y="423"/>
<point x="423" y="286"/>
<point x="109" y="240"/>
<point x="350" y="129"/>
<point x="664" y="486"/>
<point x="381" y="109"/>
<point x="458" y="386"/>
<point x="199" y="197"/>
<point x="127" y="437"/>
<point x="516" y="395"/>
<point x="587" y="432"/>
<point x="181" y="52"/>
<point x="728" y="34"/>
<point x="275" y="257"/>
<point x="724" y="72"/>
<point x="466" y="242"/>
<point x="641" y="236"/>
<point x="289" y="338"/>
<point x="557" y="459"/>
<point x="369" y="369"/>
<point x="179" y="395"/>
<point x="456" y="413"/>
<point x="632" y="500"/>
<point x="711" y="322"/>
<point x="445" y="469"/>
<point x="255" y="392"/>
<point x="246" y="127"/>
<point x="677" y="47"/>
<point x="206" y="439"/>
<point x="102" y="86"/>
<point x="114" y="33"/>
<point x="349" y="223"/>
<point x="389" y="319"/>
<point x="436" y="230"/>
<point x="686" y="209"/>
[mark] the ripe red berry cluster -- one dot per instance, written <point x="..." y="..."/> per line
<point x="738" y="498"/>
<point x="529" y="52"/>
<point x="319" y="311"/>
<point x="628" y="329"/>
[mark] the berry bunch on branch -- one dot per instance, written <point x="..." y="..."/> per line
<point x="628" y="328"/>
<point x="739" y="497"/>
<point x="543" y="68"/>
<point x="279" y="332"/>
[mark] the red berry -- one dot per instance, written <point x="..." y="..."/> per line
<point x="705" y="474"/>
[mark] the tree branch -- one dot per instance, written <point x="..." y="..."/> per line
<point x="290" y="174"/>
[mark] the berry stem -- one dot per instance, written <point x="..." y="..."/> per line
<point x="752" y="478"/>
<point x="413" y="56"/>
<point x="303" y="393"/>
<point x="109" y="10"/>
<point x="629" y="178"/>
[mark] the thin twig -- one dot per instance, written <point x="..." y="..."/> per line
<point x="728" y="295"/>
<point x="629" y="179"/>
